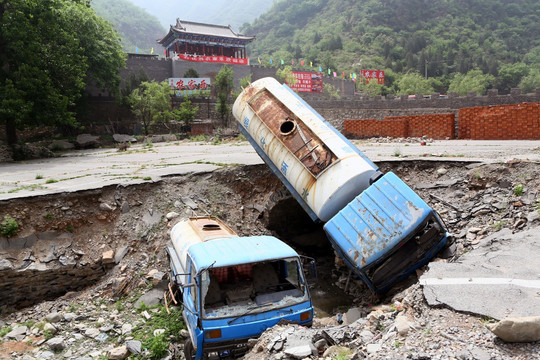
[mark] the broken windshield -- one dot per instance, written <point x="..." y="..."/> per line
<point x="252" y="288"/>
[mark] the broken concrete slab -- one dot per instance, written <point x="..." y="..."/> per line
<point x="499" y="278"/>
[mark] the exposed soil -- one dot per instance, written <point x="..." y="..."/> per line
<point x="134" y="221"/>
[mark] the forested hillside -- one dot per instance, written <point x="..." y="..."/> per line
<point x="138" y="29"/>
<point x="221" y="12"/>
<point x="490" y="43"/>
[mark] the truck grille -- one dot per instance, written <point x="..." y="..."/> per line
<point x="408" y="255"/>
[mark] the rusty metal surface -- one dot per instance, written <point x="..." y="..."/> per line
<point x="293" y="133"/>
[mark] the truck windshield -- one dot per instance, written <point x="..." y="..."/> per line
<point x="239" y="289"/>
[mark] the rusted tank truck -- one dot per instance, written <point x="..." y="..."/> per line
<point x="375" y="222"/>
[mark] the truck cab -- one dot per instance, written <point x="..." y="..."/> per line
<point x="233" y="288"/>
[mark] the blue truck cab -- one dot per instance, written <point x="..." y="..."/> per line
<point x="233" y="288"/>
<point x="386" y="232"/>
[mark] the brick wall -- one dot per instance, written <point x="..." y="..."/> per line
<point x="372" y="128"/>
<point x="435" y="126"/>
<point x="504" y="122"/>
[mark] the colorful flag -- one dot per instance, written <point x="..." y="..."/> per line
<point x="152" y="51"/>
<point x="136" y="50"/>
<point x="343" y="75"/>
<point x="282" y="62"/>
<point x="335" y="75"/>
<point x="311" y="64"/>
<point x="329" y="71"/>
<point x="259" y="59"/>
<point x="270" y="60"/>
<point x="301" y="62"/>
<point x="292" y="62"/>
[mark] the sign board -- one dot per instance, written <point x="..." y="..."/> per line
<point x="307" y="82"/>
<point x="214" y="59"/>
<point x="373" y="75"/>
<point x="190" y="86"/>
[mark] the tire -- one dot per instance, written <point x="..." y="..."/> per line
<point x="189" y="352"/>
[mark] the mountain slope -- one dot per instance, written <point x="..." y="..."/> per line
<point x="137" y="28"/>
<point x="448" y="36"/>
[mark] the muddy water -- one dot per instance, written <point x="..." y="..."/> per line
<point x="328" y="299"/>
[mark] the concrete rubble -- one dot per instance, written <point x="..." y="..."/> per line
<point x="93" y="317"/>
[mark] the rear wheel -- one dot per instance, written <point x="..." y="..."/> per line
<point x="188" y="350"/>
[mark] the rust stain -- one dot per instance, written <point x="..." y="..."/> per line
<point x="301" y="142"/>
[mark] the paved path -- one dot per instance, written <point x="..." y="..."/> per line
<point x="90" y="169"/>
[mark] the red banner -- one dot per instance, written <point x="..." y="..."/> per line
<point x="307" y="82"/>
<point x="214" y="59"/>
<point x="373" y="75"/>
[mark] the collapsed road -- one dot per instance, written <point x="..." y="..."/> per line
<point x="78" y="255"/>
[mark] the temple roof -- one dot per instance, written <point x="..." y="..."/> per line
<point x="189" y="27"/>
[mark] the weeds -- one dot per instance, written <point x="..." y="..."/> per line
<point x="5" y="331"/>
<point x="518" y="190"/>
<point x="158" y="345"/>
<point x="39" y="176"/>
<point x="147" y="178"/>
<point x="9" y="226"/>
<point x="48" y="216"/>
<point x="51" y="181"/>
<point x="198" y="138"/>
<point x="397" y="152"/>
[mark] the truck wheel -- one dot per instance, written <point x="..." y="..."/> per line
<point x="188" y="350"/>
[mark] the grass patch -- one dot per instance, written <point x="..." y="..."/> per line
<point x="4" y="331"/>
<point x="51" y="181"/>
<point x="27" y="187"/>
<point x="200" y="137"/>
<point x="39" y="176"/>
<point x="518" y="190"/>
<point x="158" y="345"/>
<point x="9" y="226"/>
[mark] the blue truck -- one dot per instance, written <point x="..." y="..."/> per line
<point x="233" y="288"/>
<point x="380" y="227"/>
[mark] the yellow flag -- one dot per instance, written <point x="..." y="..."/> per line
<point x="152" y="51"/>
<point x="259" y="59"/>
<point x="311" y="63"/>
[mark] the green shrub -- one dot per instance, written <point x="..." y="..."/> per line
<point x="5" y="331"/>
<point x="9" y="226"/>
<point x="518" y="190"/>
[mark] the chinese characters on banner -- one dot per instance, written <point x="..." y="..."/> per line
<point x="214" y="59"/>
<point x="190" y="86"/>
<point x="373" y="75"/>
<point x="307" y="82"/>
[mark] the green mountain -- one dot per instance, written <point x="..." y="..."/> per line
<point x="442" y="37"/>
<point x="137" y="28"/>
<point x="220" y="12"/>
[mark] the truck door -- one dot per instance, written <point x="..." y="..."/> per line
<point x="191" y="302"/>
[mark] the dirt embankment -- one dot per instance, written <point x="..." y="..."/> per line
<point x="102" y="244"/>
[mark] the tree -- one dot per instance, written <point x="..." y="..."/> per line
<point x="224" y="84"/>
<point x="186" y="112"/>
<point x="151" y="103"/>
<point x="414" y="83"/>
<point x="286" y="75"/>
<point x="474" y="80"/>
<point x="510" y="75"/>
<point x="191" y="73"/>
<point x="49" y="51"/>
<point x="530" y="82"/>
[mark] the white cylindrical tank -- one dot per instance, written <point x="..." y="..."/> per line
<point x="323" y="167"/>
<point x="195" y="230"/>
